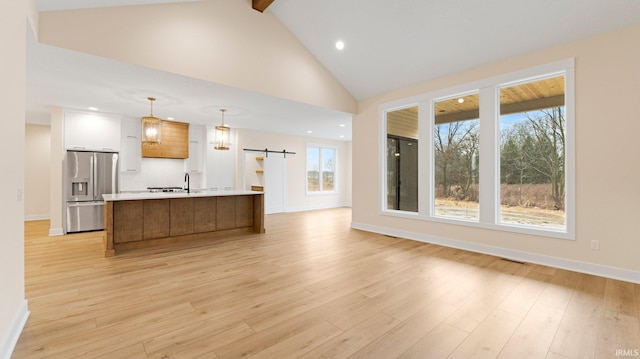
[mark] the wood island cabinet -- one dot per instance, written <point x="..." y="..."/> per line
<point x="205" y="209"/>
<point x="234" y="212"/>
<point x="181" y="216"/>
<point x="155" y="218"/>
<point x="126" y="219"/>
<point x="131" y="223"/>
<point x="226" y="213"/>
<point x="244" y="211"/>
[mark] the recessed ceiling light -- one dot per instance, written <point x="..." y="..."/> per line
<point x="342" y="125"/>
<point x="460" y="100"/>
<point x="93" y="108"/>
<point x="169" y="118"/>
<point x="309" y="131"/>
<point x="340" y="45"/>
<point x="341" y="136"/>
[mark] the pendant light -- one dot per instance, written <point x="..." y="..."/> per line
<point x="151" y="127"/>
<point x="223" y="134"/>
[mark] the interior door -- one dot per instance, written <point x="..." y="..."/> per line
<point x="274" y="183"/>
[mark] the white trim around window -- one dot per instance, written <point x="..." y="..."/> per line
<point x="489" y="168"/>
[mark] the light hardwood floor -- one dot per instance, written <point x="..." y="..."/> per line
<point x="311" y="287"/>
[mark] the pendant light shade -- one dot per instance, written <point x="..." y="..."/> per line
<point x="222" y="135"/>
<point x="151" y="127"/>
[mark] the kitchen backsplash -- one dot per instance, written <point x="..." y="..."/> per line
<point x="159" y="172"/>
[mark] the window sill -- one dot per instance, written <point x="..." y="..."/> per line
<point x="324" y="193"/>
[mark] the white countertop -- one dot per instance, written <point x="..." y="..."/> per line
<point x="163" y="195"/>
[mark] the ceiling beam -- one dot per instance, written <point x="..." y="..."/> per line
<point x="261" y="5"/>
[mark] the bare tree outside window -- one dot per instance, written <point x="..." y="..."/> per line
<point x="532" y="154"/>
<point x="456" y="153"/>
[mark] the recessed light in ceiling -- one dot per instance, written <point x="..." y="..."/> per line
<point x="169" y="118"/>
<point x="342" y="125"/>
<point x="460" y="100"/>
<point x="93" y="108"/>
<point x="309" y="131"/>
<point x="340" y="45"/>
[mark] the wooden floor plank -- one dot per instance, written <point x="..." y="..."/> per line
<point x="619" y="327"/>
<point x="311" y="287"/>
<point x="488" y="339"/>
<point x="578" y="331"/>
<point x="350" y="341"/>
<point x="438" y="343"/>
<point x="406" y="334"/>
<point x="300" y="343"/>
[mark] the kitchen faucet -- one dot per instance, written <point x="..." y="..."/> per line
<point x="186" y="179"/>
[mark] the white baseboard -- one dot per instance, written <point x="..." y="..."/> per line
<point x="36" y="217"/>
<point x="313" y="208"/>
<point x="55" y="232"/>
<point x="9" y="342"/>
<point x="521" y="256"/>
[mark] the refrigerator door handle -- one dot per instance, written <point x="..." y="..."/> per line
<point x="94" y="174"/>
<point x="114" y="173"/>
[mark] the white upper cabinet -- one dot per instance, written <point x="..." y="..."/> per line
<point x="131" y="128"/>
<point x="131" y="150"/>
<point x="91" y="131"/>
<point x="196" y="148"/>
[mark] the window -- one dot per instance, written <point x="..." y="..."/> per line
<point x="497" y="153"/>
<point x="402" y="159"/>
<point x="321" y="169"/>
<point x="456" y="140"/>
<point x="532" y="153"/>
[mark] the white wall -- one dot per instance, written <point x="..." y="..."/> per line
<point x="13" y="305"/>
<point x="55" y="171"/>
<point x="296" y="198"/>
<point x="37" y="168"/>
<point x="234" y="45"/>
<point x="607" y="76"/>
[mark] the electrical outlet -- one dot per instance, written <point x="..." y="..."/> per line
<point x="595" y="244"/>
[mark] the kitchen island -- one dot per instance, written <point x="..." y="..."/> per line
<point x="137" y="220"/>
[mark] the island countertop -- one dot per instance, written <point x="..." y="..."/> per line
<point x="166" y="195"/>
<point x="138" y="220"/>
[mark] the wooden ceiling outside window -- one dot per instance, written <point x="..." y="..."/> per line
<point x="530" y="96"/>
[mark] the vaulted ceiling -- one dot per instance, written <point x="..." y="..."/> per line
<point x="394" y="44"/>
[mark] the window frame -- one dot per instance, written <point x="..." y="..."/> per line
<point x="489" y="183"/>
<point x="399" y="105"/>
<point x="321" y="147"/>
<point x="432" y="170"/>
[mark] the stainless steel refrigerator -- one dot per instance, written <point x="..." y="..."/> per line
<point x="88" y="175"/>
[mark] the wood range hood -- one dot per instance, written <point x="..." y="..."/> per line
<point x="174" y="141"/>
